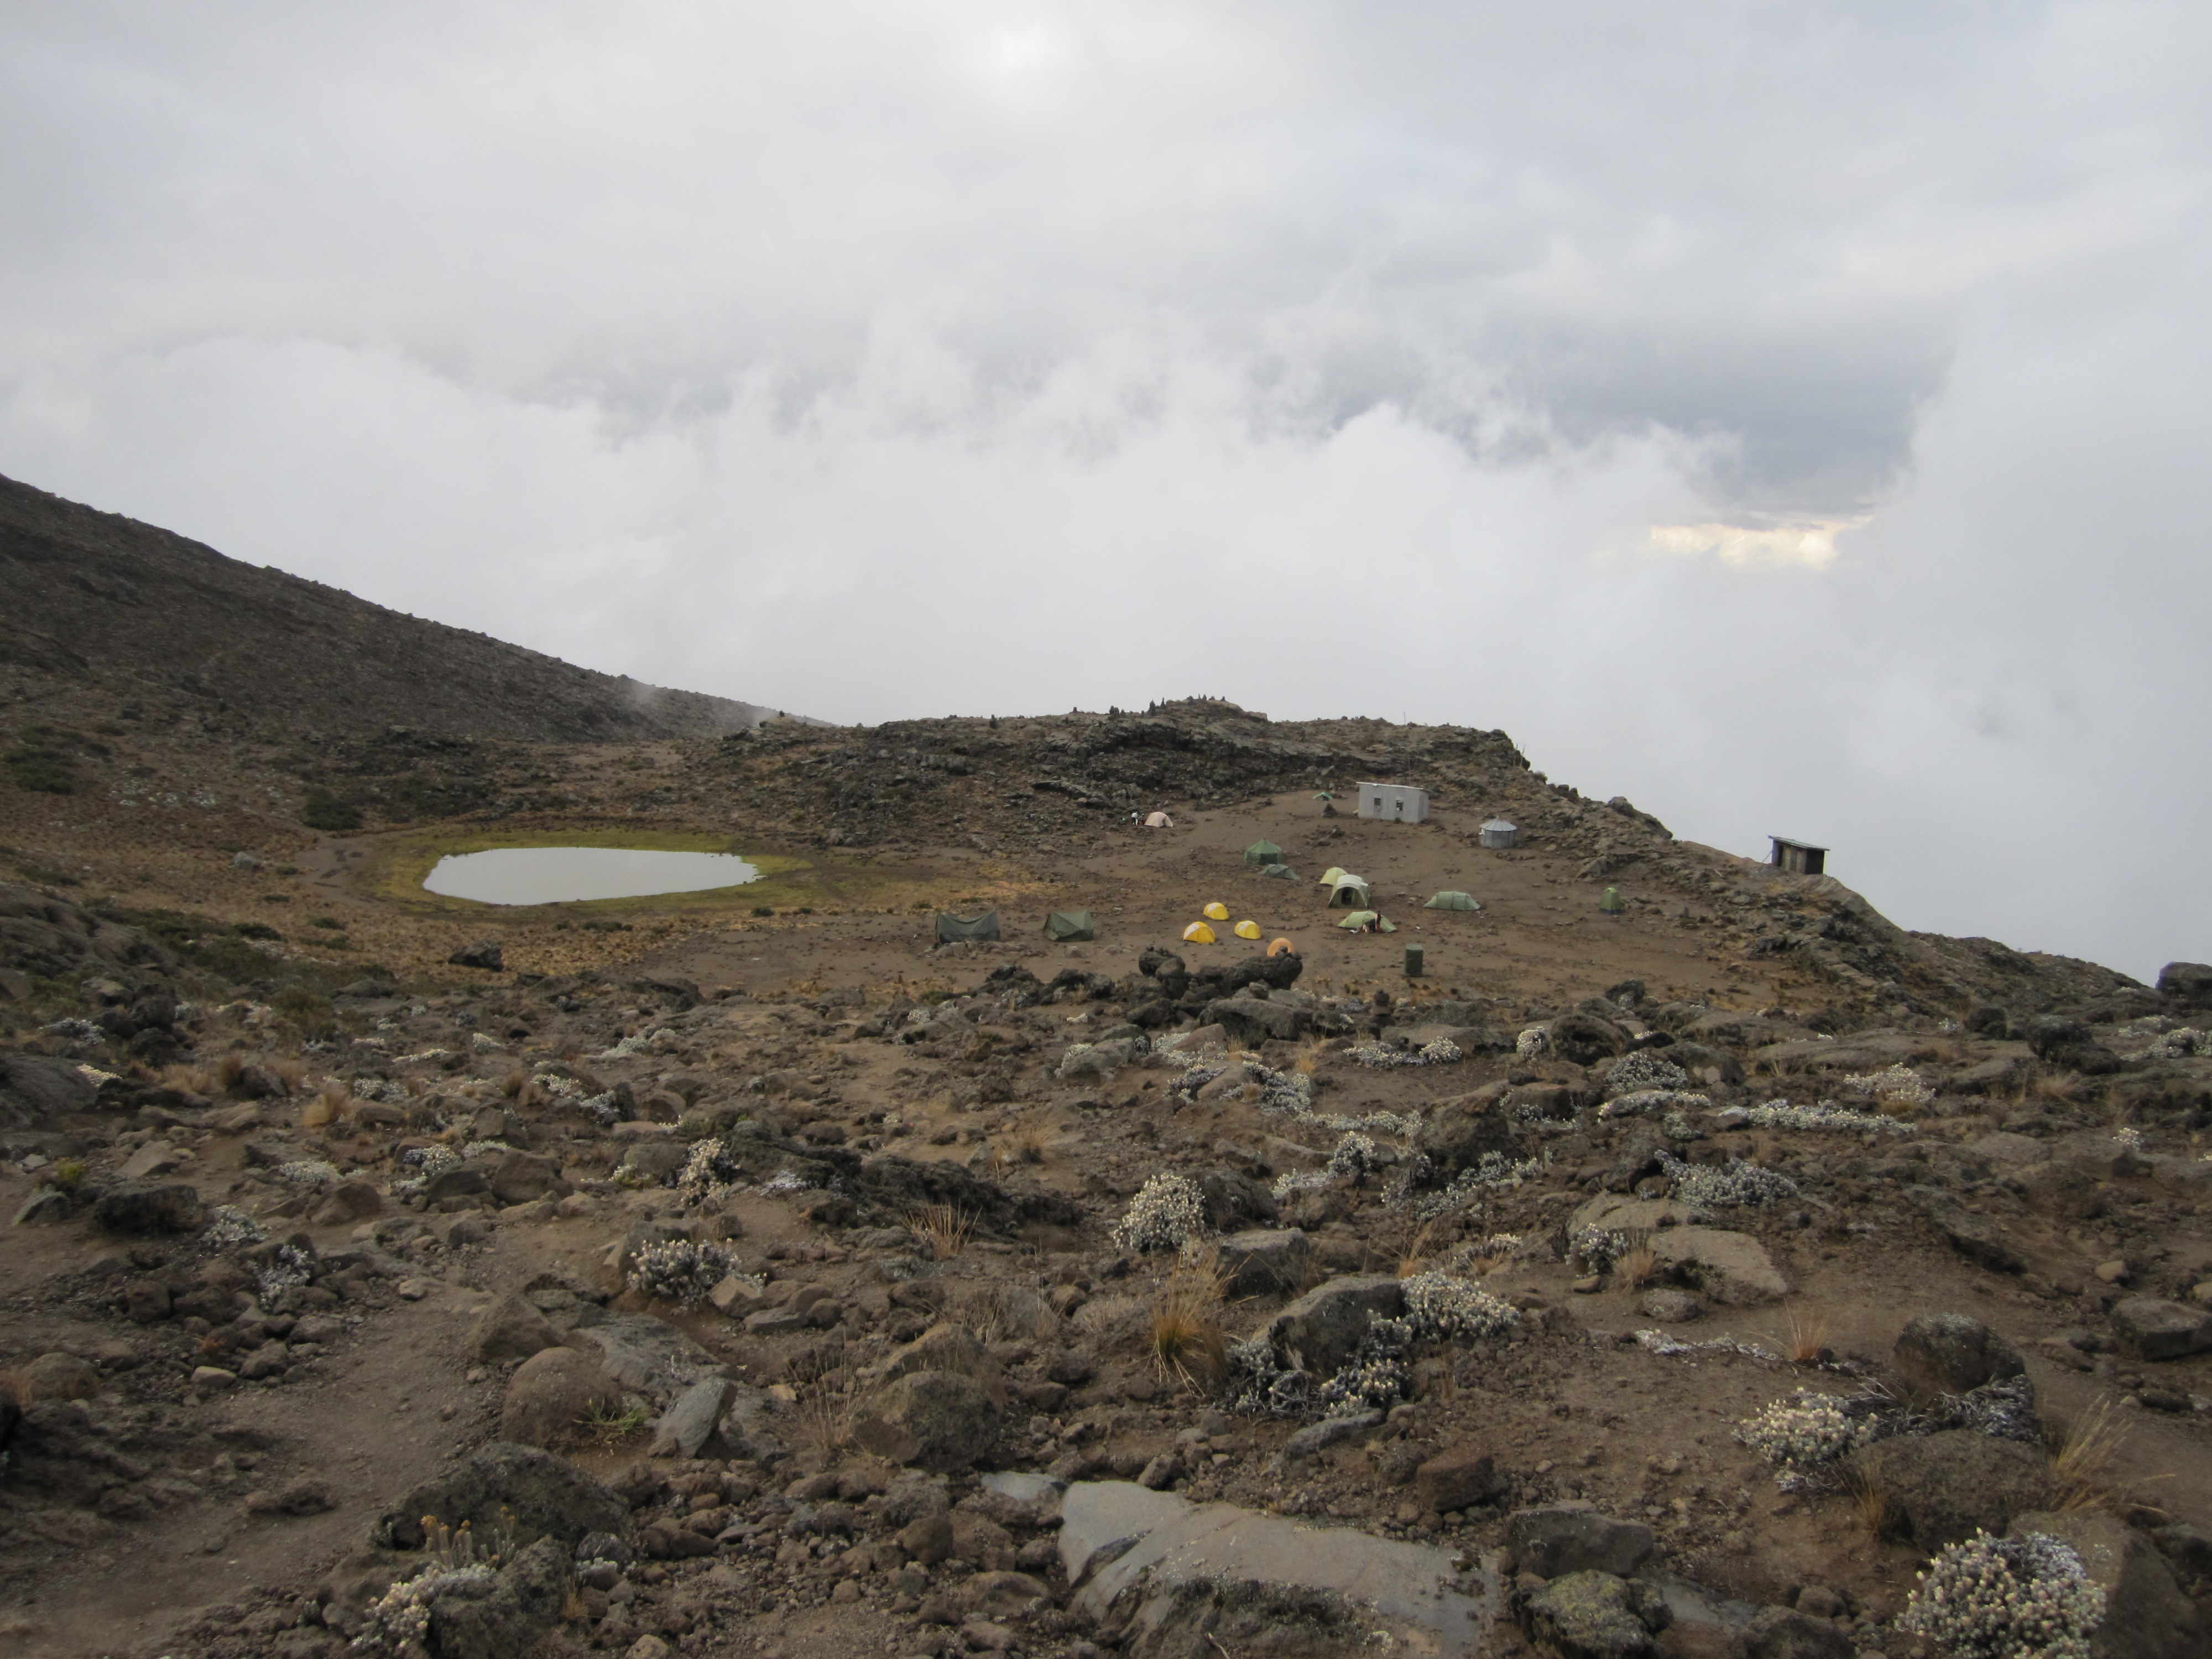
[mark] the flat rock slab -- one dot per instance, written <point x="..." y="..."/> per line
<point x="689" y="1421"/>
<point x="1153" y="1559"/>
<point x="649" y="1356"/>
<point x="2162" y="1330"/>
<point x="1728" y="1267"/>
<point x="1618" y="1213"/>
<point x="1973" y="1236"/>
<point x="1266" y="1261"/>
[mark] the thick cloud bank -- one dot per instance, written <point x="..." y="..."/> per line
<point x="1786" y="416"/>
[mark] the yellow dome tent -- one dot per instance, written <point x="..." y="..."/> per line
<point x="1248" y="930"/>
<point x="1216" y="911"/>
<point x="1198" y="933"/>
<point x="1334" y="874"/>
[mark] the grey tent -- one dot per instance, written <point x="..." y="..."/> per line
<point x="1260" y="854"/>
<point x="1500" y="833"/>
<point x="952" y="929"/>
<point x="1451" y="900"/>
<point x="1347" y="893"/>
<point x="1066" y="927"/>
<point x="1280" y="873"/>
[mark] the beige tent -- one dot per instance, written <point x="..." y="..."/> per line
<point x="1347" y="893"/>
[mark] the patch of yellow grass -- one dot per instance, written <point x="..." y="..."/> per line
<point x="1806" y="1343"/>
<point x="1413" y="1254"/>
<point x="945" y="1228"/>
<point x="2082" y="1461"/>
<point x="1184" y="1333"/>
<point x="1872" y="1509"/>
<point x="1638" y="1266"/>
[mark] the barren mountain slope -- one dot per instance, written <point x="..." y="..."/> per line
<point x="93" y="598"/>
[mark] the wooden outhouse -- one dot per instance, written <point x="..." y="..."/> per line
<point x="1799" y="858"/>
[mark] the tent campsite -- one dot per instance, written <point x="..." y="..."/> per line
<point x="951" y="929"/>
<point x="1347" y="893"/>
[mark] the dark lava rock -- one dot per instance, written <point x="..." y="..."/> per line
<point x="1947" y="1487"/>
<point x="171" y="1206"/>
<point x="484" y="953"/>
<point x="548" y="1495"/>
<point x="2057" y="1040"/>
<point x="1953" y="1354"/>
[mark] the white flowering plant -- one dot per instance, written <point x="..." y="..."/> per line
<point x="1798" y="1435"/>
<point x="1827" y="1115"/>
<point x="1898" y="1086"/>
<point x="1167" y="1210"/>
<point x="680" y="1270"/>
<point x="1439" y="1306"/>
<point x="2006" y="1598"/>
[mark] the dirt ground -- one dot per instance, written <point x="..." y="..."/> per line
<point x="159" y="1522"/>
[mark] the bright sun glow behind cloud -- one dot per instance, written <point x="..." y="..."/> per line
<point x="1810" y="545"/>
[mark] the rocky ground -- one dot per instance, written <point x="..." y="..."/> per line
<point x="1682" y="1280"/>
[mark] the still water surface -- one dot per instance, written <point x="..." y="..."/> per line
<point x="555" y="875"/>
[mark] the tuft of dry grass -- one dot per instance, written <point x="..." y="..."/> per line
<point x="1873" y="1508"/>
<point x="825" y="1420"/>
<point x="2082" y="1457"/>
<point x="2062" y="1088"/>
<point x="1413" y="1254"/>
<point x="287" y="1071"/>
<point x="1311" y="1057"/>
<point x="514" y="1083"/>
<point x="229" y="1069"/>
<point x="1807" y="1344"/>
<point x="945" y="1228"/>
<point x="1638" y="1266"/>
<point x="1027" y="1145"/>
<point x="1184" y="1333"/>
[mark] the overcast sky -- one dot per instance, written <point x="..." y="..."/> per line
<point x="1789" y="415"/>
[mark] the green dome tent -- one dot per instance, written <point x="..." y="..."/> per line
<point x="1261" y="853"/>
<point x="951" y="929"/>
<point x="1360" y="919"/>
<point x="1448" y="900"/>
<point x="1067" y="926"/>
<point x="1280" y="873"/>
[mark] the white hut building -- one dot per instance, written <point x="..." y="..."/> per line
<point x="1396" y="803"/>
